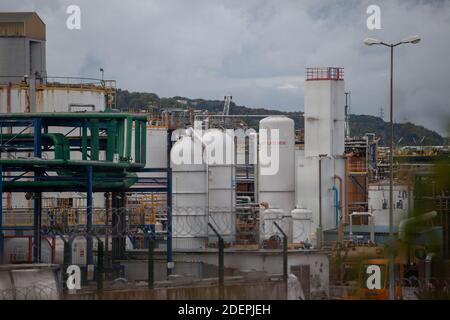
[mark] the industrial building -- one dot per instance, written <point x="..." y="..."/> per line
<point x="154" y="204"/>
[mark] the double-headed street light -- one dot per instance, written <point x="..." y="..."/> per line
<point x="371" y="42"/>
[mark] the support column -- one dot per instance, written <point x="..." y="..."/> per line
<point x="94" y="139"/>
<point x="107" y="211"/>
<point x="169" y="206"/>
<point x="100" y="269"/>
<point x="118" y="226"/>
<point x="37" y="195"/>
<point x="89" y="240"/>
<point x="37" y="227"/>
<point x="67" y="258"/>
<point x="122" y="225"/>
<point x="114" y="219"/>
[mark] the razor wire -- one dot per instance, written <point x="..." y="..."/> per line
<point x="187" y="221"/>
<point x="33" y="291"/>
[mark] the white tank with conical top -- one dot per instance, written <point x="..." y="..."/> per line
<point x="219" y="156"/>
<point x="189" y="206"/>
<point x="276" y="170"/>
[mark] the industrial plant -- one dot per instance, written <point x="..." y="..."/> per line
<point x="183" y="203"/>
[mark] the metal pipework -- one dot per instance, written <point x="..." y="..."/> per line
<point x="319" y="235"/>
<point x="114" y="124"/>
<point x="341" y="216"/>
<point x="336" y="206"/>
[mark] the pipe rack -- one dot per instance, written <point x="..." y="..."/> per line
<point x="107" y="133"/>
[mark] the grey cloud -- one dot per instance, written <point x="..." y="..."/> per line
<point x="257" y="50"/>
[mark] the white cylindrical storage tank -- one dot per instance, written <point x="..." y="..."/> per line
<point x="219" y="159"/>
<point x="276" y="169"/>
<point x="378" y="194"/>
<point x="189" y="184"/>
<point x="301" y="225"/>
<point x="19" y="250"/>
<point x="267" y="228"/>
<point x="52" y="98"/>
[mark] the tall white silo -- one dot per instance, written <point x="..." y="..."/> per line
<point x="189" y="189"/>
<point x="276" y="169"/>
<point x="324" y="147"/>
<point x="219" y="158"/>
<point x="324" y="112"/>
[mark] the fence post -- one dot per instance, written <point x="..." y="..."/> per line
<point x="221" y="263"/>
<point x="151" y="261"/>
<point x="100" y="268"/>
<point x="66" y="259"/>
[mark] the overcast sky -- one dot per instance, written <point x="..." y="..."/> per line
<point x="256" y="50"/>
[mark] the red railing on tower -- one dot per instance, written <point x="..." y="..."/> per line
<point x="325" y="73"/>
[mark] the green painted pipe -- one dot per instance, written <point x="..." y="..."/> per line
<point x="27" y="163"/>
<point x="128" y="138"/>
<point x="143" y="143"/>
<point x="58" y="140"/>
<point x="120" y="139"/>
<point x="84" y="141"/>
<point x="111" y="142"/>
<point x="95" y="145"/>
<point x="127" y="181"/>
<point x="65" y="167"/>
<point x="137" y="142"/>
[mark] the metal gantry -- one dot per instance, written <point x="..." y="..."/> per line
<point x="107" y="163"/>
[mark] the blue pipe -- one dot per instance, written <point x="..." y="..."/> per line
<point x="336" y="205"/>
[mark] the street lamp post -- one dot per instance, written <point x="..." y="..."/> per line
<point x="370" y="42"/>
<point x="103" y="81"/>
